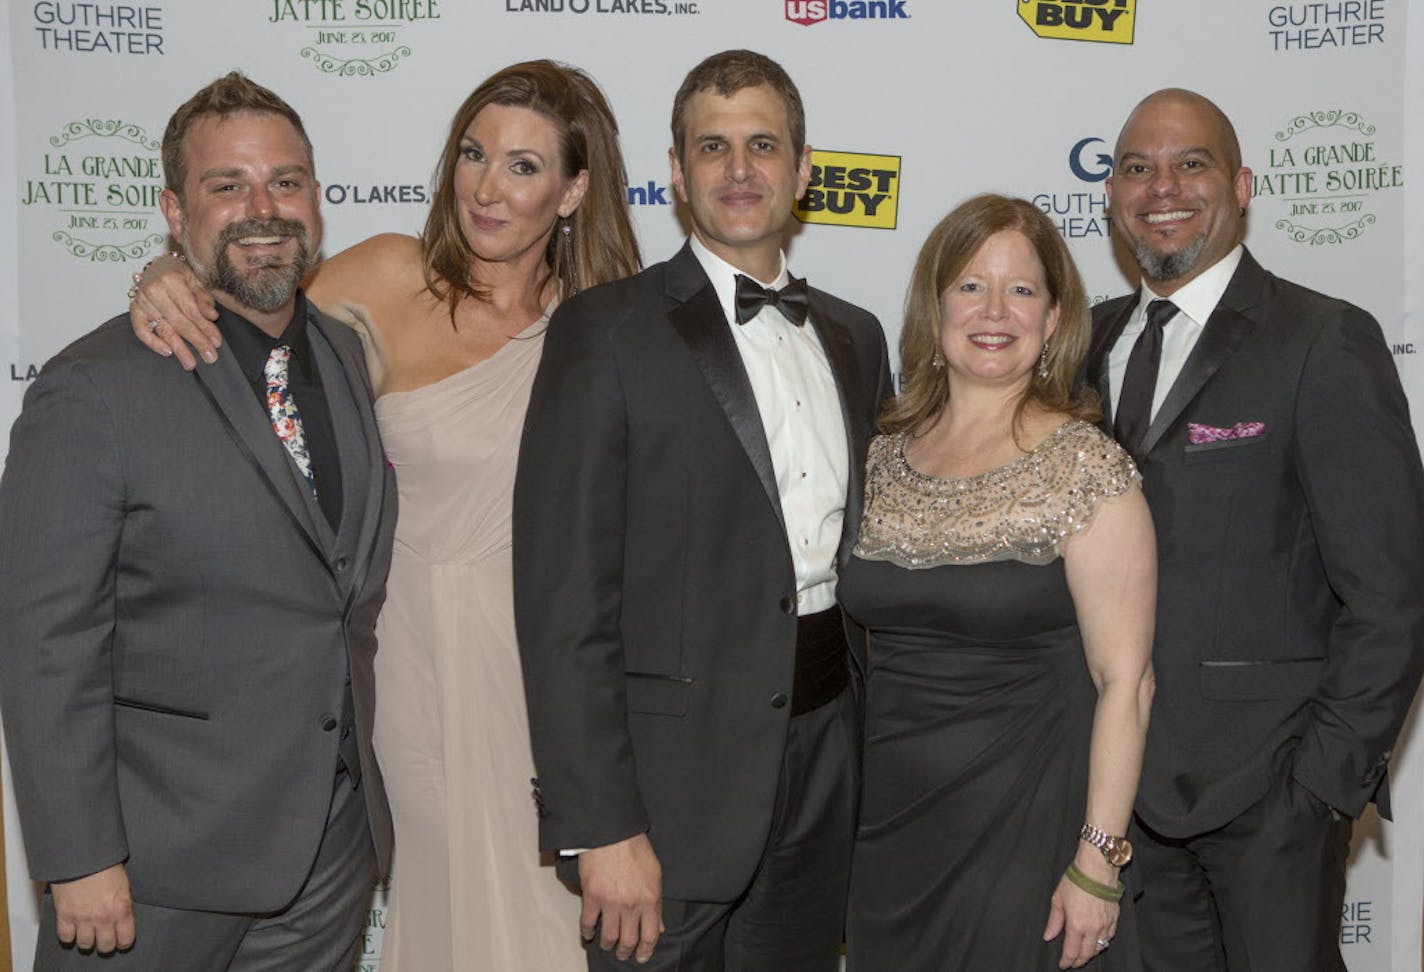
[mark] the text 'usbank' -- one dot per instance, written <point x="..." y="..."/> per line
<point x="807" y="12"/>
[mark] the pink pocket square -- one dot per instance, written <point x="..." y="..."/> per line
<point x="1202" y="434"/>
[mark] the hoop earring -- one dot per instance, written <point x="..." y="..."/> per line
<point x="1043" y="361"/>
<point x="566" y="245"/>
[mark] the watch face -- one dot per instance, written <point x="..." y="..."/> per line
<point x="1118" y="852"/>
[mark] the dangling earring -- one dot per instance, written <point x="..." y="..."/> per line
<point x="1043" y="361"/>
<point x="937" y="362"/>
<point x="566" y="244"/>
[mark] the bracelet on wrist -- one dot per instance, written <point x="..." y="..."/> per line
<point x="1105" y="892"/>
<point x="138" y="277"/>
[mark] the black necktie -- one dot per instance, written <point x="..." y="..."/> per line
<point x="790" y="300"/>
<point x="1139" y="379"/>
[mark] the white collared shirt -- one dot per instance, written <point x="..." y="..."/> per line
<point x="800" y="408"/>
<point x="1195" y="303"/>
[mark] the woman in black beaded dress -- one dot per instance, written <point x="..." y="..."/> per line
<point x="1006" y="572"/>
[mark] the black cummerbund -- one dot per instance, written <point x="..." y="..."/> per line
<point x="821" y="666"/>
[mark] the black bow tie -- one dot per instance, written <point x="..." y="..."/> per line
<point x="790" y="300"/>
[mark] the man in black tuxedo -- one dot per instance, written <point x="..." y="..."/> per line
<point x="1284" y="480"/>
<point x="687" y="484"/>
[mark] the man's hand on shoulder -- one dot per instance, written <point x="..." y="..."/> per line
<point x="95" y="911"/>
<point x="622" y="886"/>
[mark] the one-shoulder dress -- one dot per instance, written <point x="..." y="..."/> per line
<point x="979" y="707"/>
<point x="452" y="734"/>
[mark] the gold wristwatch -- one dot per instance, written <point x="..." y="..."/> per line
<point x="1117" y="850"/>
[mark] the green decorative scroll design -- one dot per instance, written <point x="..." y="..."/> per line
<point x="1334" y="118"/>
<point x="1327" y="234"/>
<point x="355" y="67"/>
<point x="108" y="252"/>
<point x="103" y="128"/>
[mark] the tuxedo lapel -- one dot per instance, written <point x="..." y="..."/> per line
<point x="1224" y="331"/>
<point x="840" y="352"/>
<point x="696" y="315"/>
<point x="227" y="390"/>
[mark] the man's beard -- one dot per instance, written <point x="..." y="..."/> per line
<point x="263" y="288"/>
<point x="1168" y="266"/>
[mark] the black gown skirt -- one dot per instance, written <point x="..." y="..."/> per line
<point x="978" y="712"/>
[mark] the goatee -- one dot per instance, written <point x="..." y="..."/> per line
<point x="1168" y="266"/>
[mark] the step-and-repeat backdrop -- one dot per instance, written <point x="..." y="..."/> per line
<point x="912" y="105"/>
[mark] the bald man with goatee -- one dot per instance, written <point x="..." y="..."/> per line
<point x="1284" y="480"/>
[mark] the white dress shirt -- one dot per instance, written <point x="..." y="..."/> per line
<point x="800" y="408"/>
<point x="1195" y="302"/>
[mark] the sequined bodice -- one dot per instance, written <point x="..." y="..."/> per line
<point x="1021" y="511"/>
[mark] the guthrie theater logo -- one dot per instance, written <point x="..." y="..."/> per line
<point x="1103" y="21"/>
<point x="103" y="28"/>
<point x="1325" y="177"/>
<point x="1082" y="211"/>
<point x="100" y="181"/>
<point x="808" y="12"/>
<point x="355" y="38"/>
<point x="852" y="189"/>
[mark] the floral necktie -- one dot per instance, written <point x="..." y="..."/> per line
<point x="282" y="410"/>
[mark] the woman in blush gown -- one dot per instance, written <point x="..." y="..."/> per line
<point x="529" y="205"/>
<point x="1006" y="572"/>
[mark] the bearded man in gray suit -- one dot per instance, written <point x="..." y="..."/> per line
<point x="190" y="570"/>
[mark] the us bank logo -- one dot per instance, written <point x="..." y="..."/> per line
<point x="1326" y="177"/>
<point x="852" y="189"/>
<point x="99" y="182"/>
<point x="354" y="38"/>
<point x="1103" y="21"/>
<point x="808" y="12"/>
<point x="1079" y="209"/>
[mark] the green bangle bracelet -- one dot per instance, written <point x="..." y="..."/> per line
<point x="1096" y="888"/>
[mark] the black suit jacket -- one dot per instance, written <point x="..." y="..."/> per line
<point x="178" y="622"/>
<point x="654" y="590"/>
<point x="1290" y="626"/>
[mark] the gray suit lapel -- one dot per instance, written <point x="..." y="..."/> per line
<point x="227" y="390"/>
<point x="348" y="397"/>
<point x="696" y="315"/>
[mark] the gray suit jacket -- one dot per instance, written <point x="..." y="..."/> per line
<point x="178" y="622"/>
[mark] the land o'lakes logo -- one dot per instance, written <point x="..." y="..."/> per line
<point x="1325" y="177"/>
<point x="354" y="38"/>
<point x="101" y="179"/>
<point x="808" y="12"/>
<point x="1103" y="21"/>
<point x="657" y="8"/>
<point x="852" y="189"/>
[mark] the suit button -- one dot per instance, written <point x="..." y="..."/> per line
<point x="341" y="564"/>
<point x="788" y="605"/>
<point x="328" y="722"/>
<point x="778" y="701"/>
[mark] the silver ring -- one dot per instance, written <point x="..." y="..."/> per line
<point x="153" y="324"/>
<point x="1103" y="943"/>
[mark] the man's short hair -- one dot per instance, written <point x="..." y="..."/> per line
<point x="228" y="95"/>
<point x="729" y="72"/>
